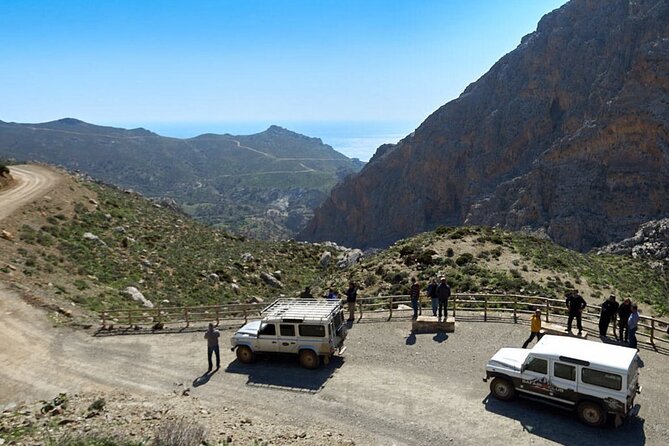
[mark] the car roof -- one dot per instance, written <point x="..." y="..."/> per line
<point x="596" y="353"/>
<point x="301" y="310"/>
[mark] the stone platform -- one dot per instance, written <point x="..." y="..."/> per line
<point x="560" y="330"/>
<point x="430" y="324"/>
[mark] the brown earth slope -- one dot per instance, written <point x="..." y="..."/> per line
<point x="567" y="134"/>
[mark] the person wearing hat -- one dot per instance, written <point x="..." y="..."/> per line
<point x="535" y="327"/>
<point x="443" y="293"/>
<point x="608" y="311"/>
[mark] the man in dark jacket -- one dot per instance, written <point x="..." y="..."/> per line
<point x="432" y="294"/>
<point x="609" y="310"/>
<point x="351" y="297"/>
<point x="443" y="293"/>
<point x="575" y="305"/>
<point x="414" y="293"/>
<point x="623" y="315"/>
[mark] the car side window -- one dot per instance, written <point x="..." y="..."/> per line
<point x="601" y="379"/>
<point x="564" y="371"/>
<point x="316" y="331"/>
<point x="268" y="329"/>
<point x="538" y="365"/>
<point x="287" y="329"/>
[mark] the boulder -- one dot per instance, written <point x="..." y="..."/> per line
<point x="271" y="280"/>
<point x="137" y="296"/>
<point x="326" y="258"/>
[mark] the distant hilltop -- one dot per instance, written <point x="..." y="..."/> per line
<point x="567" y="135"/>
<point x="264" y="185"/>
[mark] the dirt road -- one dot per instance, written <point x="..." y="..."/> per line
<point x="31" y="182"/>
<point x="390" y="388"/>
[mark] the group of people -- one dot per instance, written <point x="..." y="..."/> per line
<point x="628" y="320"/>
<point x="627" y="313"/>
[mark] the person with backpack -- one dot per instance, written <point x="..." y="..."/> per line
<point x="443" y="293"/>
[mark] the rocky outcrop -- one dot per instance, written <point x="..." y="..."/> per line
<point x="651" y="241"/>
<point x="568" y="134"/>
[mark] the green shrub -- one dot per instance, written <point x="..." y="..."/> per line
<point x="441" y="230"/>
<point x="464" y="259"/>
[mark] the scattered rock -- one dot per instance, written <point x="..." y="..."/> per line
<point x="213" y="277"/>
<point x="137" y="296"/>
<point x="271" y="280"/>
<point x="247" y="257"/>
<point x="93" y="237"/>
<point x="7" y="235"/>
<point x="326" y="258"/>
<point x="235" y="288"/>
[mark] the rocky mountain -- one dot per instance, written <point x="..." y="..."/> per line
<point x="567" y="135"/>
<point x="264" y="185"/>
<point x="651" y="241"/>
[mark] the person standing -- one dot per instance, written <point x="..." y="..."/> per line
<point x="351" y="297"/>
<point x="432" y="294"/>
<point x="443" y="293"/>
<point x="608" y="311"/>
<point x="414" y="293"/>
<point x="212" y="335"/>
<point x="306" y="294"/>
<point x="624" y="312"/>
<point x="632" y="325"/>
<point x="535" y="327"/>
<point x="575" y="305"/>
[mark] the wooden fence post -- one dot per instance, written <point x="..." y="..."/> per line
<point x="186" y="316"/>
<point x="515" y="309"/>
<point x="130" y="318"/>
<point x="390" y="307"/>
<point x="652" y="331"/>
<point x="485" y="308"/>
<point x="104" y="319"/>
<point x="218" y="309"/>
<point x="548" y="310"/>
<point x="245" y="316"/>
<point x="359" y="305"/>
<point x="455" y="300"/>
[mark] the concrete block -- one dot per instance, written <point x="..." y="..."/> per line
<point x="430" y="324"/>
<point x="560" y="330"/>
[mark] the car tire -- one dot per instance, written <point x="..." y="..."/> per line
<point x="502" y="389"/>
<point x="591" y="413"/>
<point x="245" y="354"/>
<point x="308" y="359"/>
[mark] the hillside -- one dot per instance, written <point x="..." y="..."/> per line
<point x="567" y="135"/>
<point x="84" y="243"/>
<point x="264" y="185"/>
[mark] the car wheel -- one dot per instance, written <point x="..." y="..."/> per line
<point x="502" y="389"/>
<point x="309" y="359"/>
<point x="245" y="354"/>
<point x="591" y="414"/>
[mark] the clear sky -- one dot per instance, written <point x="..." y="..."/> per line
<point x="149" y="62"/>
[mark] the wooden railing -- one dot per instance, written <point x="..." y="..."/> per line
<point x="513" y="308"/>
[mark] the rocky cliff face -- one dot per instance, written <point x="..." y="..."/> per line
<point x="567" y="134"/>
<point x="651" y="241"/>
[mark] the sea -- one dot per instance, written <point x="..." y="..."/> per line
<point x="355" y="139"/>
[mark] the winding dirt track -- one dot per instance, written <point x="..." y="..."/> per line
<point x="32" y="181"/>
<point x="390" y="388"/>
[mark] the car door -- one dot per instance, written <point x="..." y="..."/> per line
<point x="534" y="378"/>
<point x="563" y="381"/>
<point x="287" y="338"/>
<point x="267" y="338"/>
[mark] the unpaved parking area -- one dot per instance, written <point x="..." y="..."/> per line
<point x="389" y="388"/>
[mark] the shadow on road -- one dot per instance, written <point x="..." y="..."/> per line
<point x="440" y="337"/>
<point x="283" y="372"/>
<point x="411" y="339"/>
<point x="562" y="426"/>
<point x="204" y="379"/>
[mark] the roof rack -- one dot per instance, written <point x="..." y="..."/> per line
<point x="299" y="310"/>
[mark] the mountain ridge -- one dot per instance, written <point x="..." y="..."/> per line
<point x="263" y="185"/>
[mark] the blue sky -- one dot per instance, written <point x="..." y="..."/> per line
<point x="151" y="62"/>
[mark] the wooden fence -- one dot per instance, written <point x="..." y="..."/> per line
<point x="511" y="308"/>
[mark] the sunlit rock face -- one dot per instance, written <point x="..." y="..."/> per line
<point x="567" y="134"/>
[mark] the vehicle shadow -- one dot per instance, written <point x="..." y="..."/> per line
<point x="562" y="426"/>
<point x="284" y="373"/>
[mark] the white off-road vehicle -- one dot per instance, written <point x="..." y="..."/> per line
<point x="312" y="329"/>
<point x="595" y="379"/>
